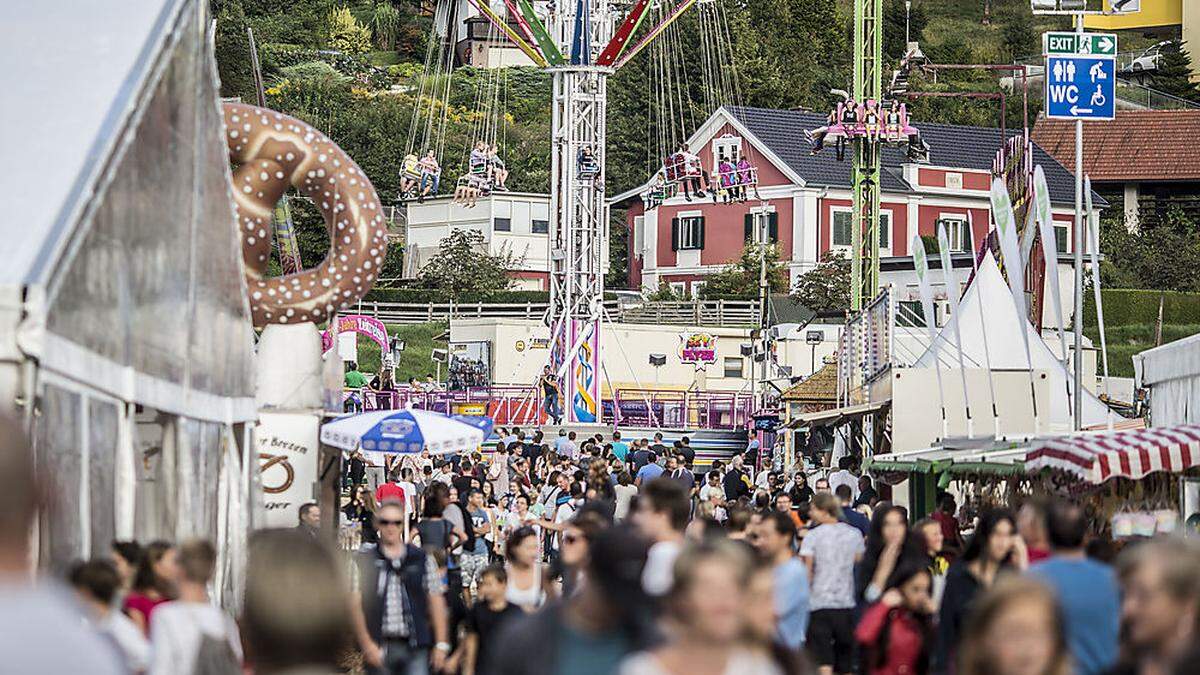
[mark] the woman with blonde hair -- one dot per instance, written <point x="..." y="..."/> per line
<point x="1014" y="628"/>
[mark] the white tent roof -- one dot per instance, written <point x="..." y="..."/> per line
<point x="1001" y="323"/>
<point x="74" y="69"/>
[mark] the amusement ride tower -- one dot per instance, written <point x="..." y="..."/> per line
<point x="581" y="43"/>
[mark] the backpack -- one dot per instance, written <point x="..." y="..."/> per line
<point x="214" y="656"/>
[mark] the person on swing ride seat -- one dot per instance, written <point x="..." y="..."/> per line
<point x="727" y="179"/>
<point x="693" y="173"/>
<point x="588" y="167"/>
<point x="745" y="176"/>
<point x="817" y="136"/>
<point x="410" y="174"/>
<point x="431" y="175"/>
<point x="479" y="159"/>
<point x="497" y="168"/>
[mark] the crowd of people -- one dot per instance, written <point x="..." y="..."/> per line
<point x="597" y="554"/>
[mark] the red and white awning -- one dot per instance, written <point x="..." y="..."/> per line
<point x="1123" y="454"/>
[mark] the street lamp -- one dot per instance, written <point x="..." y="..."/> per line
<point x="657" y="360"/>
<point x="813" y="338"/>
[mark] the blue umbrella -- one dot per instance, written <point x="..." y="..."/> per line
<point x="405" y="431"/>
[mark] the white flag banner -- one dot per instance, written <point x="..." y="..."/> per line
<point x="1027" y="238"/>
<point x="1006" y="227"/>
<point x="921" y="265"/>
<point x="1050" y="252"/>
<point x="952" y="295"/>
<point x="1093" y="225"/>
<point x="976" y="252"/>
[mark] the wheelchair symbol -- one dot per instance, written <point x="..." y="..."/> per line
<point x="1098" y="97"/>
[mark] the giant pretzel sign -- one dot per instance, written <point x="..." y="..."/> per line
<point x="272" y="151"/>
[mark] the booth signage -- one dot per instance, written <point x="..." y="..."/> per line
<point x="287" y="460"/>
<point x="699" y="348"/>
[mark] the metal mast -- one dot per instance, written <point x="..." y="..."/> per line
<point x="578" y="212"/>
<point x="868" y="85"/>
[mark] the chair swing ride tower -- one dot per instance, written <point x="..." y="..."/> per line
<point x="581" y="44"/>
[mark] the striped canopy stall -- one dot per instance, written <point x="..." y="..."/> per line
<point x="1124" y="454"/>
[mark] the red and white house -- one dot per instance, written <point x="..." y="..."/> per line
<point x="806" y="199"/>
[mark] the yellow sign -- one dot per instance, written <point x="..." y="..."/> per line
<point x="469" y="409"/>
<point x="520" y="345"/>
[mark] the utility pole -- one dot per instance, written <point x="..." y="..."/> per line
<point x="763" y="221"/>
<point x="1079" y="239"/>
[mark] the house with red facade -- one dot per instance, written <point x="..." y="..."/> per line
<point x="805" y="200"/>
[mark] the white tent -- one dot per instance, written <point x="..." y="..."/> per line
<point x="125" y="338"/>
<point x="1001" y="324"/>
<point x="1172" y="372"/>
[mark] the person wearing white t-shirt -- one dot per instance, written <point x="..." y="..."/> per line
<point x="662" y="515"/>
<point x="191" y="629"/>
<point x="97" y="583"/>
<point x="830" y="551"/>
<point x="843" y="476"/>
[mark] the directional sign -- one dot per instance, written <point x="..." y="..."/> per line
<point x="1080" y="87"/>
<point x="1093" y="44"/>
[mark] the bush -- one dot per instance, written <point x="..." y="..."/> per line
<point x="1128" y="306"/>
<point x="346" y="34"/>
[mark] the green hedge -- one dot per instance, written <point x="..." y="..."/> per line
<point x="424" y="295"/>
<point x="1128" y="306"/>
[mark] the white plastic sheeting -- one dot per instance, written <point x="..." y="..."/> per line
<point x="123" y="285"/>
<point x="1002" y="323"/>
<point x="1172" y="372"/>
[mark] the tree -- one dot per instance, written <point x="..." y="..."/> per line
<point x="741" y="278"/>
<point x="893" y="27"/>
<point x="1020" y="40"/>
<point x="346" y="34"/>
<point x="1137" y="259"/>
<point x="825" y="287"/>
<point x="462" y="270"/>
<point x="1174" y="72"/>
<point x="385" y="25"/>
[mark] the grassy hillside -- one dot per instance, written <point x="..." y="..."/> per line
<point x="415" y="360"/>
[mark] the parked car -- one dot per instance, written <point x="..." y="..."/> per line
<point x="1148" y="60"/>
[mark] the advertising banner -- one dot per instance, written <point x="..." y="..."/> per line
<point x="287" y="459"/>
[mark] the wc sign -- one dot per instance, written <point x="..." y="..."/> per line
<point x="1081" y="85"/>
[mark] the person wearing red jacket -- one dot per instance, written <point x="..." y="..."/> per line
<point x="897" y="631"/>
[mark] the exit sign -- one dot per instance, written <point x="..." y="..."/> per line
<point x="1087" y="44"/>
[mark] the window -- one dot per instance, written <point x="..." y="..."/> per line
<point x="697" y="288"/>
<point x="678" y="289"/>
<point x="502" y="224"/>
<point x="1062" y="238"/>
<point x="733" y="366"/>
<point x="843" y="229"/>
<point x="540" y="226"/>
<point x="687" y="233"/>
<point x="957" y="232"/>
<point x="753" y="226"/>
<point x="842" y="225"/>
<point x="727" y="148"/>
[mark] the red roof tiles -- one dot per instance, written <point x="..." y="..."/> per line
<point x="1139" y="145"/>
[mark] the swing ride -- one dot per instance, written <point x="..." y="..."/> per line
<point x="580" y="43"/>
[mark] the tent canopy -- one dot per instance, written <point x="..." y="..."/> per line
<point x="1096" y="458"/>
<point x="1000" y="324"/>
<point x="125" y="253"/>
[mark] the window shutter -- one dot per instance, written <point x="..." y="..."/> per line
<point x="773" y="226"/>
<point x="699" y="239"/>
<point x="749" y="227"/>
<point x="675" y="234"/>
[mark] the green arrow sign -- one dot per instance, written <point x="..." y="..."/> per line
<point x="1094" y="44"/>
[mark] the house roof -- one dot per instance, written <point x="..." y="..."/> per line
<point x="820" y="386"/>
<point x="1139" y="145"/>
<point x="950" y="145"/>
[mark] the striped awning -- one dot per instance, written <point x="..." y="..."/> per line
<point x="1123" y="454"/>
